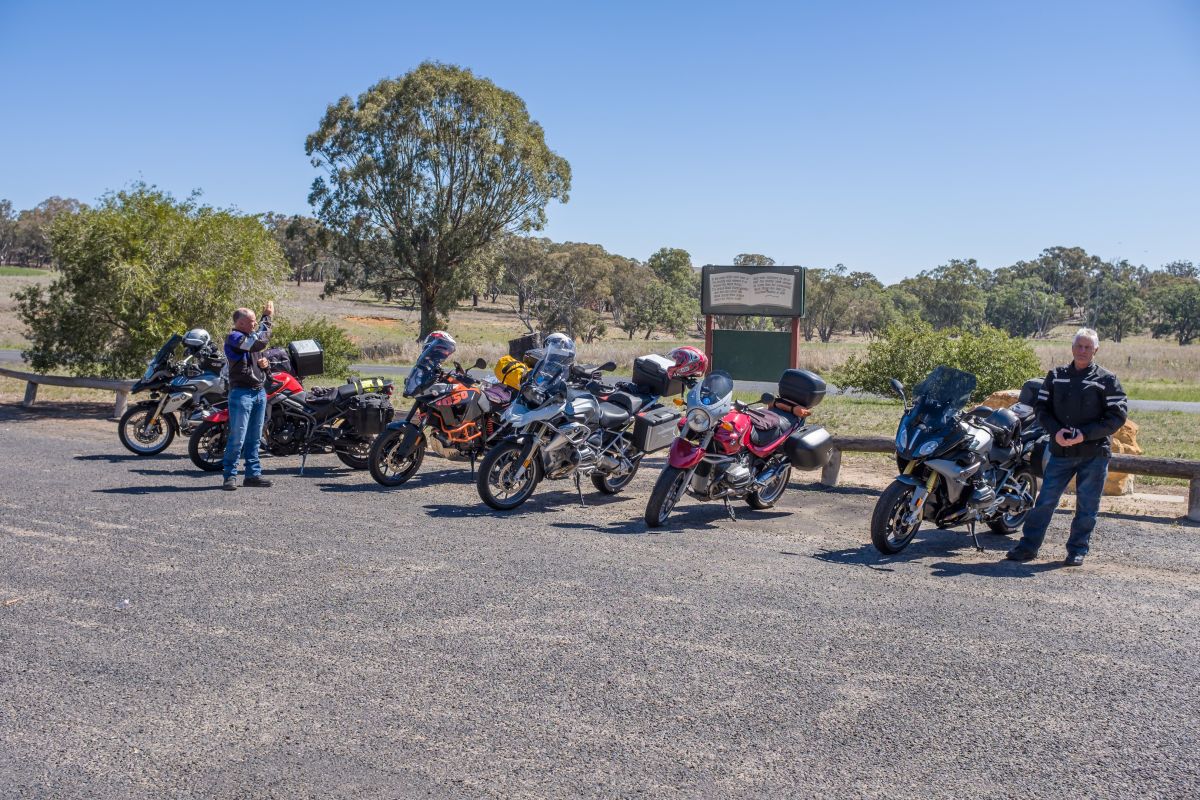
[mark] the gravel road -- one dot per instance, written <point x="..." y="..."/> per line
<point x="326" y="638"/>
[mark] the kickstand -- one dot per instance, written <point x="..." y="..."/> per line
<point x="974" y="538"/>
<point x="729" y="510"/>
<point x="303" y="458"/>
<point x="579" y="490"/>
<point x="472" y="462"/>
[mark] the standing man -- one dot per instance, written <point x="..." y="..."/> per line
<point x="1081" y="406"/>
<point x="247" y="399"/>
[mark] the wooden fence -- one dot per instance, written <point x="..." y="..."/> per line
<point x="33" y="380"/>
<point x="1135" y="465"/>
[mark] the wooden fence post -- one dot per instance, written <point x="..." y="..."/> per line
<point x="1193" y="512"/>
<point x="30" y="394"/>
<point x="119" y="406"/>
<point x="829" y="472"/>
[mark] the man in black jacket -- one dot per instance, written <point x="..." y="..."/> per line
<point x="1081" y="405"/>
<point x="247" y="398"/>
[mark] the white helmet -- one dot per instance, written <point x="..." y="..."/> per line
<point x="559" y="349"/>
<point x="196" y="339"/>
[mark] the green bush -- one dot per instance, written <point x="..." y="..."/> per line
<point x="340" y="350"/>
<point x="909" y="350"/>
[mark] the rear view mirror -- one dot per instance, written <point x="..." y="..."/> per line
<point x="480" y="363"/>
<point x="898" y="387"/>
<point x="767" y="398"/>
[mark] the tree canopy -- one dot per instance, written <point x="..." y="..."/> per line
<point x="423" y="171"/>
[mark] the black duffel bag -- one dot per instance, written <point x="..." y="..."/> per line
<point x="369" y="414"/>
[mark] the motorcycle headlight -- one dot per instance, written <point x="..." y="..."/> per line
<point x="699" y="420"/>
<point x="930" y="447"/>
<point x="901" y="438"/>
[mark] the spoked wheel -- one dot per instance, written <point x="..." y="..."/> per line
<point x="769" y="495"/>
<point x="391" y="467"/>
<point x="669" y="487"/>
<point x="889" y="534"/>
<point x="498" y="482"/>
<point x="355" y="454"/>
<point x="140" y="437"/>
<point x="206" y="447"/>
<point x="615" y="482"/>
<point x="1009" y="524"/>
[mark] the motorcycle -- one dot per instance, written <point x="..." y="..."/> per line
<point x="957" y="467"/>
<point x="344" y="419"/>
<point x="565" y="422"/>
<point x="727" y="450"/>
<point x="458" y="411"/>
<point x="180" y="391"/>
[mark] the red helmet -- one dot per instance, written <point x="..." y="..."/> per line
<point x="688" y="360"/>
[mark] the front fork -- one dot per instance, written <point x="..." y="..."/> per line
<point x="162" y="401"/>
<point x="916" y="505"/>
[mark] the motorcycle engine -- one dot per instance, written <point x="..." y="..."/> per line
<point x="285" y="434"/>
<point x="568" y="450"/>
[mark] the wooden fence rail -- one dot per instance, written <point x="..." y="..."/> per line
<point x="33" y="380"/>
<point x="1135" y="465"/>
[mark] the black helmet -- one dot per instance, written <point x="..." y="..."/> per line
<point x="1007" y="424"/>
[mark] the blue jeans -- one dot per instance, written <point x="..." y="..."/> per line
<point x="247" y="409"/>
<point x="1089" y="475"/>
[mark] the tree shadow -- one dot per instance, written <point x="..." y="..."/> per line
<point x="1182" y="520"/>
<point x="159" y="489"/>
<point x="54" y="409"/>
<point x="537" y="504"/>
<point x="692" y="517"/>
<point x="126" y="457"/>
<point x="841" y="490"/>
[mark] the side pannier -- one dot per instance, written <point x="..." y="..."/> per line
<point x="808" y="448"/>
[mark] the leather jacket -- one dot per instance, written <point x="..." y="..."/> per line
<point x="1090" y="400"/>
<point x="244" y="371"/>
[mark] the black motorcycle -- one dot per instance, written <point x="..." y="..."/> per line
<point x="344" y="419"/>
<point x="956" y="467"/>
<point x="180" y="392"/>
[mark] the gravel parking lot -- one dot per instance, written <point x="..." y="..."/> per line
<point x="327" y="638"/>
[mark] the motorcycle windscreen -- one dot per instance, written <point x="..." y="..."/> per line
<point x="717" y="386"/>
<point x="422" y="375"/>
<point x="945" y="387"/>
<point x="160" y="358"/>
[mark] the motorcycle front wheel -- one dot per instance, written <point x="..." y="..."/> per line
<point x="669" y="487"/>
<point x="143" y="439"/>
<point x="495" y="479"/>
<point x="888" y="532"/>
<point x="206" y="447"/>
<point x="388" y="466"/>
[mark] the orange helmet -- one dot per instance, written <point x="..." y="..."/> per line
<point x="688" y="360"/>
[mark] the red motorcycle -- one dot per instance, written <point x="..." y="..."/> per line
<point x="727" y="450"/>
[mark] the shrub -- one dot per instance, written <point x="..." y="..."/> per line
<point x="909" y="350"/>
<point x="340" y="349"/>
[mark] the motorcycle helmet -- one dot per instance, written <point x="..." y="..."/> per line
<point x="689" y="361"/>
<point x="559" y="349"/>
<point x="438" y="345"/>
<point x="196" y="339"/>
<point x="709" y="400"/>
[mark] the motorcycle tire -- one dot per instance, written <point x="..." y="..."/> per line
<point x="382" y="451"/>
<point x="768" y="496"/>
<point x="352" y="458"/>
<point x="611" y="484"/>
<point x="133" y="435"/>
<point x="892" y="503"/>
<point x="1009" y="524"/>
<point x="208" y="439"/>
<point x="499" y="460"/>
<point x="669" y="487"/>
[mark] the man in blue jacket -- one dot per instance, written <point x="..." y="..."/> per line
<point x="1081" y="405"/>
<point x="247" y="398"/>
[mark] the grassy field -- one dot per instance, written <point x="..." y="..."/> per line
<point x="21" y="272"/>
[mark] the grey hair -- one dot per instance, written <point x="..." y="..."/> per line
<point x="240" y="314"/>
<point x="1087" y="333"/>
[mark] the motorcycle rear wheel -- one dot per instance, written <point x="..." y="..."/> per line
<point x="670" y="486"/>
<point x="887" y="532"/>
<point x="384" y="469"/>
<point x="357" y="455"/>
<point x="206" y="446"/>
<point x="768" y="496"/>
<point x="493" y="480"/>
<point x="142" y="440"/>
<point x="611" y="484"/>
<point x="1009" y="524"/>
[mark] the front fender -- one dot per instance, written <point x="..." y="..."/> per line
<point x="218" y="416"/>
<point x="910" y="480"/>
<point x="684" y="454"/>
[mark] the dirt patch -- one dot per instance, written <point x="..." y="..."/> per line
<point x="376" y="322"/>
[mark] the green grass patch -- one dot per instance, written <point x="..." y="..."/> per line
<point x="22" y="272"/>
<point x="1155" y="390"/>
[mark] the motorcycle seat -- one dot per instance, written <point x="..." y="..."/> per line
<point x="613" y="416"/>
<point x="630" y="402"/>
<point x="770" y="426"/>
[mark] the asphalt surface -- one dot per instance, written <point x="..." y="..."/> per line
<point x="326" y="638"/>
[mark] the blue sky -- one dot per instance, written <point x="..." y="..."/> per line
<point x="887" y="136"/>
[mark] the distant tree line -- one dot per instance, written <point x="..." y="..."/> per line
<point x="24" y="235"/>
